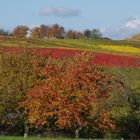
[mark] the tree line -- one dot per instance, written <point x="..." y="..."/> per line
<point x="54" y="31"/>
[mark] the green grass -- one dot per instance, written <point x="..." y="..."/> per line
<point x="131" y="76"/>
<point x="34" y="138"/>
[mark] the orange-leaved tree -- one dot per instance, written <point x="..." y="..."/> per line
<point x="72" y="93"/>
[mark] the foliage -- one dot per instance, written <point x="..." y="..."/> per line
<point x="73" y="94"/>
<point x="16" y="77"/>
<point x="92" y="34"/>
<point x="71" y="34"/>
<point x="95" y="33"/>
<point x="20" y="32"/>
<point x="101" y="59"/>
<point x="39" y="32"/>
<point x="125" y="103"/>
<point x="55" y="31"/>
<point x="87" y="34"/>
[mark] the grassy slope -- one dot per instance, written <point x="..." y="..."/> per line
<point x="73" y="44"/>
<point x="130" y="75"/>
<point x="135" y="37"/>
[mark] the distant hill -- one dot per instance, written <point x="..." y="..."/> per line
<point x="135" y="37"/>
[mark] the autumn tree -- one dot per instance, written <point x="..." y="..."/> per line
<point x="70" y="34"/>
<point x="56" y="31"/>
<point x="72" y="94"/>
<point x="79" y="35"/>
<point x="20" y="32"/>
<point x="39" y="32"/>
<point x="35" y="33"/>
<point x="16" y="77"/>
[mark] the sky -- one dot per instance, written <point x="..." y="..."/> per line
<point x="117" y="19"/>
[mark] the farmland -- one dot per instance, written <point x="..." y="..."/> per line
<point x="81" y="44"/>
<point x="103" y="59"/>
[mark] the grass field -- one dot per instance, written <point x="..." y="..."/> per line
<point x="35" y="138"/>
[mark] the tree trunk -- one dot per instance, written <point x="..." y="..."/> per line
<point x="77" y="133"/>
<point x="26" y="129"/>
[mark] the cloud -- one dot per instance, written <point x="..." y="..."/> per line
<point x="59" y="12"/>
<point x="133" y="23"/>
<point x="125" y="30"/>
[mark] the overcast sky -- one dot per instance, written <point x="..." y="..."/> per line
<point x="115" y="18"/>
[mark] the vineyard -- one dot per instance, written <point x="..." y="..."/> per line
<point x="106" y="52"/>
<point x="101" y="59"/>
